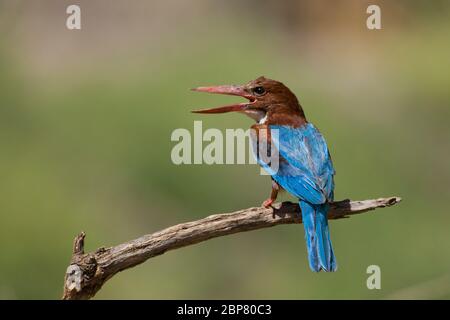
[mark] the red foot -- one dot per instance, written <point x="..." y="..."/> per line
<point x="267" y="203"/>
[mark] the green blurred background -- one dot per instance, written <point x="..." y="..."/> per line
<point x="86" y="118"/>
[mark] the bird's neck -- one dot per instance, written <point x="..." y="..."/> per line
<point x="285" y="116"/>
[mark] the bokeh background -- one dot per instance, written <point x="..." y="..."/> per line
<point x="86" y="118"/>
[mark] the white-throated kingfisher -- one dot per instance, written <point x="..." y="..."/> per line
<point x="305" y="168"/>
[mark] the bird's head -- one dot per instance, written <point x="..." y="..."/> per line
<point x="266" y="98"/>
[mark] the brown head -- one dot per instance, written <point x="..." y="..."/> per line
<point x="269" y="101"/>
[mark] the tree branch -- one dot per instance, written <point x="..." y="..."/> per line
<point x="87" y="272"/>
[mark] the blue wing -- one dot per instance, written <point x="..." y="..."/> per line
<point x="305" y="168"/>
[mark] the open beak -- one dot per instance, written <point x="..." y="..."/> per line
<point x="229" y="90"/>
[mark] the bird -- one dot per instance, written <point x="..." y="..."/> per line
<point x="305" y="168"/>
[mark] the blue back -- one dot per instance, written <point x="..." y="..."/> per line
<point x="305" y="167"/>
<point x="305" y="170"/>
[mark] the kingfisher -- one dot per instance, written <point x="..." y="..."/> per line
<point x="304" y="169"/>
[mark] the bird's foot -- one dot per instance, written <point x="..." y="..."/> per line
<point x="268" y="203"/>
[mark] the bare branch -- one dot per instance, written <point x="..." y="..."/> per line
<point x="87" y="272"/>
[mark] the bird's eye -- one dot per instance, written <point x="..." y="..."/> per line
<point x="259" y="90"/>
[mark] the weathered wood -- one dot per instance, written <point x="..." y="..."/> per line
<point x="87" y="272"/>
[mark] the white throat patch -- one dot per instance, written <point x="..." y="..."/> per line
<point x="263" y="120"/>
<point x="257" y="115"/>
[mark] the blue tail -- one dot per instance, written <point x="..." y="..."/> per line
<point x="317" y="235"/>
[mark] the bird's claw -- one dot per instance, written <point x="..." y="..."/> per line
<point x="267" y="203"/>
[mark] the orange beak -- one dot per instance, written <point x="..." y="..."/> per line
<point x="228" y="90"/>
